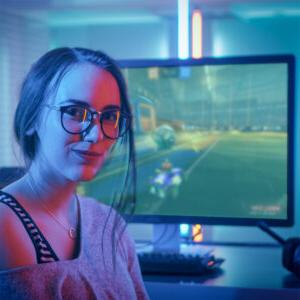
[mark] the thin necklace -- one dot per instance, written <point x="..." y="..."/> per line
<point x="72" y="232"/>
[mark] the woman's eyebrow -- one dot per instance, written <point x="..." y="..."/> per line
<point x="111" y="106"/>
<point x="83" y="103"/>
<point x="75" y="101"/>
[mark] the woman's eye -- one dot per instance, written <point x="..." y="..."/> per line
<point x="77" y="113"/>
<point x="110" y="116"/>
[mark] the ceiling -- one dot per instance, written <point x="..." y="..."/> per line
<point x="78" y="12"/>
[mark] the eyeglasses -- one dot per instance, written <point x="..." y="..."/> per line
<point x="76" y="119"/>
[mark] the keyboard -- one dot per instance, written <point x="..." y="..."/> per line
<point x="161" y="263"/>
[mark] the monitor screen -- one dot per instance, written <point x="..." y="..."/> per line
<point x="214" y="141"/>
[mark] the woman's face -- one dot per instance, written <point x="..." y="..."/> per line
<point x="77" y="157"/>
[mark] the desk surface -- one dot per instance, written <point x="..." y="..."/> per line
<point x="247" y="269"/>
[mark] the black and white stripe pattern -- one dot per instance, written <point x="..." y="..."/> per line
<point x="44" y="252"/>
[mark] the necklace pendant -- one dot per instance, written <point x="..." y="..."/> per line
<point x="72" y="233"/>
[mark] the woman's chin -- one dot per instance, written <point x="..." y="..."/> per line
<point x="88" y="175"/>
<point x="85" y="174"/>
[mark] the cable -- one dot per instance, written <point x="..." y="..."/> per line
<point x="151" y="243"/>
<point x="264" y="227"/>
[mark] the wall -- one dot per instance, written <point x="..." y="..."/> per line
<point x="22" y="40"/>
<point x="121" y="41"/>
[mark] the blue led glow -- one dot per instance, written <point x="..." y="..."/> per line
<point x="183" y="29"/>
<point x="184" y="229"/>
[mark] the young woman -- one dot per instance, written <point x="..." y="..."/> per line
<point x="54" y="244"/>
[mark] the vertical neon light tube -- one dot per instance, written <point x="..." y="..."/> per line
<point x="183" y="29"/>
<point x="197" y="34"/>
<point x="197" y="233"/>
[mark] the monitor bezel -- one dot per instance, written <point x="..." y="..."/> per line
<point x="289" y="59"/>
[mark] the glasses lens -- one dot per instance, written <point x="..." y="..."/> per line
<point x="76" y="119"/>
<point x="114" y="123"/>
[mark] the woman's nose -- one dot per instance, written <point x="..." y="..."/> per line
<point x="95" y="133"/>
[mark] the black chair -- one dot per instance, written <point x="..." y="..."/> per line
<point x="10" y="174"/>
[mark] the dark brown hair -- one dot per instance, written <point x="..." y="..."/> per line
<point x="42" y="81"/>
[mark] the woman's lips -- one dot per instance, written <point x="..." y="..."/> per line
<point x="87" y="154"/>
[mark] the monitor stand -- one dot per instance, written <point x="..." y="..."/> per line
<point x="166" y="238"/>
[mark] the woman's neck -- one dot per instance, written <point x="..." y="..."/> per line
<point x="41" y="195"/>
<point x="55" y="192"/>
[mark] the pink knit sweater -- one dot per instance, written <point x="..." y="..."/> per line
<point x="85" y="277"/>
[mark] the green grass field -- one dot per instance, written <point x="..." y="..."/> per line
<point x="231" y="174"/>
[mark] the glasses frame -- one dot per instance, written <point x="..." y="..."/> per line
<point x="94" y="114"/>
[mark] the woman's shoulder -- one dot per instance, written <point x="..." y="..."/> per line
<point x="13" y="237"/>
<point x="97" y="210"/>
<point x="93" y="204"/>
<point x="100" y="212"/>
<point x="8" y="205"/>
<point x="5" y="211"/>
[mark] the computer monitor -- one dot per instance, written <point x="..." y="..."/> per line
<point x="214" y="141"/>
